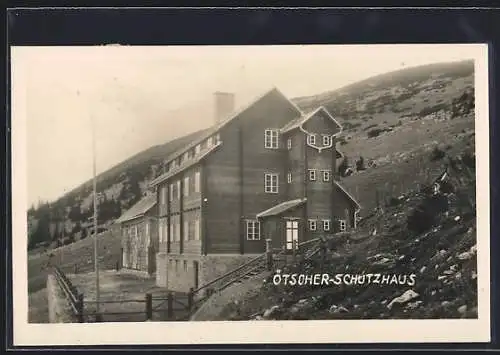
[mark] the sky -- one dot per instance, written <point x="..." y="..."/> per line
<point x="141" y="96"/>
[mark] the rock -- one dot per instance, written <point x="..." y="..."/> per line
<point x="457" y="218"/>
<point x="458" y="275"/>
<point x="445" y="303"/>
<point x="442" y="277"/>
<point x="384" y="302"/>
<point x="413" y="305"/>
<point x="402" y="257"/>
<point x="258" y="318"/>
<point x="271" y="311"/>
<point x="433" y="292"/>
<point x="405" y="297"/>
<point x="453" y="267"/>
<point x="332" y="309"/>
<point x="474" y="275"/>
<point x="465" y="256"/>
<point x="462" y="309"/>
<point x="447" y="272"/>
<point x="423" y="269"/>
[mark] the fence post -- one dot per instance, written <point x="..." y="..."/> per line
<point x="149" y="306"/>
<point x="190" y="298"/>
<point x="170" y="305"/>
<point x="79" y="307"/>
<point x="269" y="254"/>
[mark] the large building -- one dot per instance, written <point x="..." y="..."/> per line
<point x="266" y="171"/>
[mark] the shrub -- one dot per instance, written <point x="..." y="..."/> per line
<point x="437" y="154"/>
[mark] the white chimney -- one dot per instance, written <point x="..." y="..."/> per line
<point x="224" y="105"/>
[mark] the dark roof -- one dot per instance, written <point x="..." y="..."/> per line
<point x="184" y="165"/>
<point x="139" y="209"/>
<point x="282" y="207"/>
<point x="348" y="194"/>
<point x="303" y="118"/>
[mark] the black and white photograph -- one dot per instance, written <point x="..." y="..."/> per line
<point x="250" y="192"/>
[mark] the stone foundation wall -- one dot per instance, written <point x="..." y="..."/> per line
<point x="181" y="269"/>
<point x="161" y="270"/>
<point x="59" y="308"/>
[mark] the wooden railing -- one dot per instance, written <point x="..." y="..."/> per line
<point x="74" y="298"/>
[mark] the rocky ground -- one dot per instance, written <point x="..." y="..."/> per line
<point x="423" y="246"/>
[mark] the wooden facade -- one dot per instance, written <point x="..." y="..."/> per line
<point x="214" y="193"/>
<point x="139" y="233"/>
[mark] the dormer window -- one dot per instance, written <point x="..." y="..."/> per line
<point x="197" y="149"/>
<point x="209" y="142"/>
<point x="289" y="143"/>
<point x="327" y="140"/>
<point x="271" y="138"/>
<point x="311" y="139"/>
<point x="217" y="138"/>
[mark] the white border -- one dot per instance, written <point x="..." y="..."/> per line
<point x="335" y="331"/>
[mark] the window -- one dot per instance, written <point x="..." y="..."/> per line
<point x="271" y="139"/>
<point x="186" y="186"/>
<point x="176" y="265"/>
<point x="312" y="224"/>
<point x="289" y="143"/>
<point x="311" y="139"/>
<point x="342" y="225"/>
<point x="172" y="230"/>
<point x="327" y="140"/>
<point x="197" y="149"/>
<point x="185" y="266"/>
<point x="253" y="230"/>
<point x="162" y="195"/>
<point x="160" y="232"/>
<point x="186" y="230"/>
<point x="209" y="142"/>
<point x="289" y="178"/>
<point x="326" y="225"/>
<point x="312" y="174"/>
<point x="271" y="183"/>
<point x="197" y="181"/>
<point x="178" y="189"/>
<point x="326" y="175"/>
<point x="197" y="229"/>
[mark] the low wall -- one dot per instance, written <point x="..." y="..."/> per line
<point x="181" y="273"/>
<point x="59" y="309"/>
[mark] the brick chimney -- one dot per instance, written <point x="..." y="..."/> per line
<point x="224" y="105"/>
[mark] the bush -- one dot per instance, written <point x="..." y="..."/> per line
<point x="437" y="154"/>
<point x="374" y="132"/>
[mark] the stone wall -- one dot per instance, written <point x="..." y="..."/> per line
<point x="59" y="308"/>
<point x="181" y="273"/>
<point x="161" y="270"/>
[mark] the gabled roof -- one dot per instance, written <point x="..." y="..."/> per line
<point x="216" y="128"/>
<point x="348" y="194"/>
<point x="139" y="209"/>
<point x="282" y="207"/>
<point x="185" y="165"/>
<point x="299" y="121"/>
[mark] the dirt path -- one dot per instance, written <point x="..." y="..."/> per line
<point x="125" y="294"/>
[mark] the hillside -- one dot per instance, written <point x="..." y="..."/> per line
<point x="388" y="119"/>
<point x="422" y="244"/>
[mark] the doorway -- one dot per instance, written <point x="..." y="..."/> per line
<point x="292" y="234"/>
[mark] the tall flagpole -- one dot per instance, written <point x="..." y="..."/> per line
<point x="96" y="265"/>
